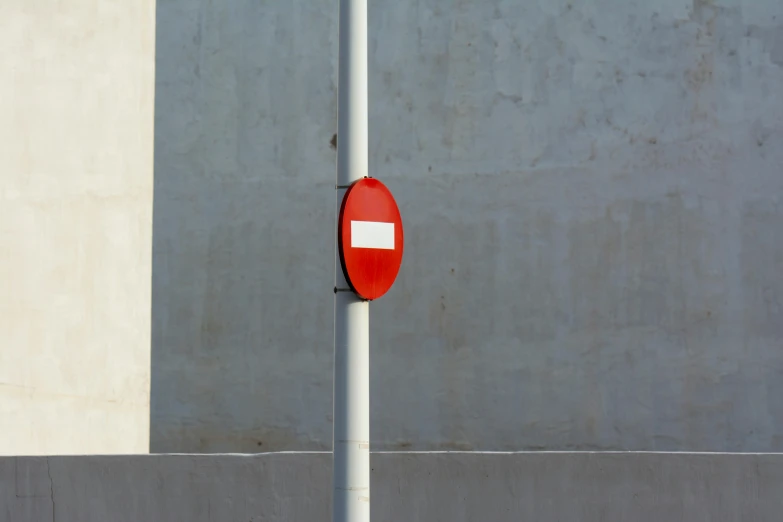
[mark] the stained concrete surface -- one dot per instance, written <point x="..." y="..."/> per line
<point x="448" y="487"/>
<point x="592" y="199"/>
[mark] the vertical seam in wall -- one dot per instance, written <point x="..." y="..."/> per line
<point x="51" y="490"/>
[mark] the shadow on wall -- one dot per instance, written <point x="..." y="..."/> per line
<point x="593" y="251"/>
<point x="243" y="221"/>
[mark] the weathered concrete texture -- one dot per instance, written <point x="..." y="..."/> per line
<point x="593" y="200"/>
<point x="76" y="124"/>
<point x="448" y="487"/>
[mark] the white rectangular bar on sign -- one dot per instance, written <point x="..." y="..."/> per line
<point x="372" y="234"/>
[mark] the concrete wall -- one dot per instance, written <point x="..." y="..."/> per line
<point x="76" y="124"/>
<point x="592" y="194"/>
<point x="452" y="487"/>
<point x="592" y="200"/>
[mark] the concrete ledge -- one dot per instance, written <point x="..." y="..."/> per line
<point x="448" y="487"/>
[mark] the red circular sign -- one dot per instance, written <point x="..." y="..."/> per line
<point x="369" y="236"/>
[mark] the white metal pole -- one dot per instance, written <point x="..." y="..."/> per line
<point x="351" y="442"/>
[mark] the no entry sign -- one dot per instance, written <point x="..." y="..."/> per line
<point x="369" y="237"/>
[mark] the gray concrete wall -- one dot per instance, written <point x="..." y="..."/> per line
<point x="592" y="194"/>
<point x="448" y="487"/>
<point x="76" y="159"/>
